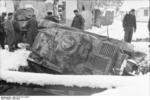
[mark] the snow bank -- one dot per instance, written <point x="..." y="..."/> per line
<point x="137" y="90"/>
<point x="93" y="81"/>
<point x="12" y="60"/>
<point x="140" y="88"/>
<point x="143" y="47"/>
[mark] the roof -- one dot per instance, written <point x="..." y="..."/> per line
<point x="128" y="5"/>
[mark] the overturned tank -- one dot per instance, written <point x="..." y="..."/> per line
<point x="66" y="50"/>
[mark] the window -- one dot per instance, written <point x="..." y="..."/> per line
<point x="145" y="12"/>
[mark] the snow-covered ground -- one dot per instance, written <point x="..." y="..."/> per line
<point x="138" y="85"/>
<point x="13" y="60"/>
<point x="138" y="89"/>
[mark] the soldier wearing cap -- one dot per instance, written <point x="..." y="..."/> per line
<point x="78" y="21"/>
<point x="129" y="25"/>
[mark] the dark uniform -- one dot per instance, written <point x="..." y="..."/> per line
<point x="18" y="34"/>
<point x="149" y="30"/>
<point x="78" y="22"/>
<point x="149" y="27"/>
<point x="10" y="34"/>
<point x="2" y="33"/>
<point x="129" y="25"/>
<point x="32" y="30"/>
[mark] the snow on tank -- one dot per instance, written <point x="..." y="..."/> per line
<point x="68" y="50"/>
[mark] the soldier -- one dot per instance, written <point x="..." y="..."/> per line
<point x="18" y="34"/>
<point x="2" y="30"/>
<point x="149" y="30"/>
<point x="78" y="21"/>
<point x="129" y="25"/>
<point x="2" y="35"/>
<point x="10" y="34"/>
<point x="32" y="30"/>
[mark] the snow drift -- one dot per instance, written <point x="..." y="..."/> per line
<point x="13" y="60"/>
<point x="93" y="81"/>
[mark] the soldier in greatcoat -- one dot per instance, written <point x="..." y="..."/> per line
<point x="32" y="30"/>
<point x="78" y="21"/>
<point x="10" y="33"/>
<point x="129" y="25"/>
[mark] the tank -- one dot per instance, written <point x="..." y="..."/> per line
<point x="65" y="50"/>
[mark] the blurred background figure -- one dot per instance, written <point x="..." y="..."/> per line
<point x="2" y="30"/>
<point x="78" y="21"/>
<point x="18" y="34"/>
<point x="149" y="30"/>
<point x="32" y="30"/>
<point x="50" y="17"/>
<point x="129" y="25"/>
<point x="10" y="33"/>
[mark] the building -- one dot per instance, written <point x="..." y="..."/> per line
<point x="142" y="14"/>
<point x="141" y="7"/>
<point x="91" y="10"/>
<point x="6" y="6"/>
<point x="37" y="5"/>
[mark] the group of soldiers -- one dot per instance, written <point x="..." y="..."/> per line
<point x="12" y="33"/>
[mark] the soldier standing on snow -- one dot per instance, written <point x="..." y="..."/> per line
<point x="2" y="31"/>
<point x="10" y="33"/>
<point x="129" y="25"/>
<point x="78" y="21"/>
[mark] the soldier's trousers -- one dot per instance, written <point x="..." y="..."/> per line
<point x="2" y="40"/>
<point x="128" y="34"/>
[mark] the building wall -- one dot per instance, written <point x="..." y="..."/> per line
<point x="38" y="7"/>
<point x="6" y="6"/>
<point x="87" y="12"/>
<point x="140" y="16"/>
<point x="70" y="6"/>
